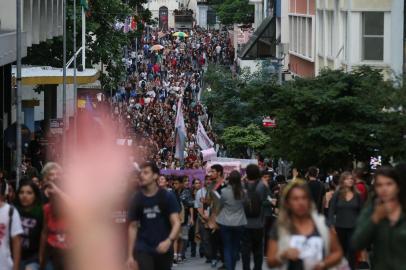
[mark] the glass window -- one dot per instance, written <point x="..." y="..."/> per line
<point x="373" y="36"/>
<point x="321" y="33"/>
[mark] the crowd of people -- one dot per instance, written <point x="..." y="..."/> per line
<point x="346" y="220"/>
<point x="165" y="69"/>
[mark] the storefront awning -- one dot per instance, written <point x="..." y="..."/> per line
<point x="50" y="75"/>
<point x="262" y="43"/>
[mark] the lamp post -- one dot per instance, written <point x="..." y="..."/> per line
<point x="64" y="80"/>
<point x="18" y="96"/>
<point x="75" y="86"/>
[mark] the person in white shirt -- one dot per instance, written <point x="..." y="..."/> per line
<point x="10" y="229"/>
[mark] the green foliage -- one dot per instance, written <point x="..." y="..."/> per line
<point x="234" y="11"/>
<point x="104" y="43"/>
<point x="240" y="139"/>
<point x="329" y="121"/>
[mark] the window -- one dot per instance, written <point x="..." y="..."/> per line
<point x="301" y="35"/>
<point x="373" y="36"/>
<point x="344" y="33"/>
<point x="321" y="32"/>
<point x="309" y="37"/>
<point x="330" y="32"/>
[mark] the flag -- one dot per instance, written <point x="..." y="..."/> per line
<point x="84" y="4"/>
<point x="180" y="133"/>
<point x="209" y="154"/>
<point x="202" y="139"/>
<point x="133" y="24"/>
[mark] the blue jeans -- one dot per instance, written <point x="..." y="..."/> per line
<point x="231" y="240"/>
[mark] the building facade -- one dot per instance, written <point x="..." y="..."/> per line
<point x="41" y="20"/>
<point x="301" y="37"/>
<point x="164" y="10"/>
<point x="351" y="33"/>
<point x="320" y="33"/>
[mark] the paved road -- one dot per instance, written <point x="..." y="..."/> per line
<point x="198" y="264"/>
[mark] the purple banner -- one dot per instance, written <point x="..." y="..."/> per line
<point x="191" y="173"/>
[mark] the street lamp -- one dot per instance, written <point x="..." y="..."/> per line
<point x="18" y="96"/>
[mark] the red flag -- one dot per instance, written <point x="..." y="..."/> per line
<point x="133" y="24"/>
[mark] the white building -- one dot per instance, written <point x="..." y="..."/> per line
<point x="163" y="10"/>
<point x="360" y="32"/>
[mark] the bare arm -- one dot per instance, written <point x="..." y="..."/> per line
<point x="175" y="222"/>
<point x="336" y="253"/>
<point x="191" y="221"/>
<point x="132" y="236"/>
<point x="272" y="254"/>
<point x="16" y="244"/>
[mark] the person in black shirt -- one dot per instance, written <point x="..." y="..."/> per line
<point x="316" y="187"/>
<point x="154" y="223"/>
<point x="30" y="208"/>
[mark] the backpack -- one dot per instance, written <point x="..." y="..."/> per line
<point x="253" y="202"/>
<point x="162" y="204"/>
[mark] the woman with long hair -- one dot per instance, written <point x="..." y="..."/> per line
<point x="345" y="207"/>
<point x="382" y="225"/>
<point x="55" y="239"/>
<point x="29" y="206"/>
<point x="232" y="218"/>
<point x="301" y="238"/>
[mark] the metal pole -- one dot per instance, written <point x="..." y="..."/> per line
<point x="18" y="97"/>
<point x="83" y="38"/>
<point x="348" y="50"/>
<point x="75" y="86"/>
<point x="64" y="81"/>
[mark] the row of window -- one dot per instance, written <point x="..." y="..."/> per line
<point x="372" y="35"/>
<point x="301" y="35"/>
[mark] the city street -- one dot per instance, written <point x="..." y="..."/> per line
<point x="137" y="133"/>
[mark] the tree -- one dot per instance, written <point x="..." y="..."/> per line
<point x="244" y="140"/>
<point x="333" y="119"/>
<point x="104" y="43"/>
<point x="234" y="11"/>
<point x="238" y="101"/>
<point x="329" y="121"/>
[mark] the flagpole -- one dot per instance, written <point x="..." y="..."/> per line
<point x="64" y="81"/>
<point x="75" y="85"/>
<point x="83" y="38"/>
<point x="18" y="96"/>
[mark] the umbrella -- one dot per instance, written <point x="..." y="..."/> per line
<point x="157" y="47"/>
<point x="180" y="34"/>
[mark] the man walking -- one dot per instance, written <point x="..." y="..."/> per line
<point x="216" y="175"/>
<point x="154" y="223"/>
<point x="252" y="238"/>
<point x="316" y="188"/>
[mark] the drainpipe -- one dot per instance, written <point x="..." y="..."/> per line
<point x="349" y="38"/>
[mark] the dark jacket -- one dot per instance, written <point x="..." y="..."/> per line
<point x="388" y="242"/>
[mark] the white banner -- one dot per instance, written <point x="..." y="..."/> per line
<point x="202" y="139"/>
